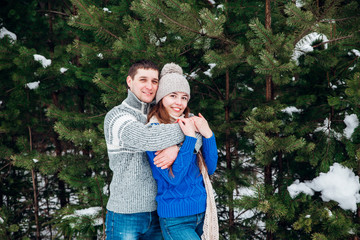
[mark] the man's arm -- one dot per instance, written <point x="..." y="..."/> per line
<point x="120" y="127"/>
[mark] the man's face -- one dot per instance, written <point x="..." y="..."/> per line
<point x="145" y="84"/>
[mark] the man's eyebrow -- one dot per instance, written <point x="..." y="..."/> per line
<point x="147" y="77"/>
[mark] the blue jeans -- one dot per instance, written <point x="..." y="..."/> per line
<point x="144" y="226"/>
<point x="181" y="228"/>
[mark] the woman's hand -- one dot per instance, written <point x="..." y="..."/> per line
<point x="202" y="126"/>
<point x="187" y="126"/>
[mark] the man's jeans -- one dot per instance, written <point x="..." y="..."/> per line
<point x="144" y="226"/>
<point x="181" y="228"/>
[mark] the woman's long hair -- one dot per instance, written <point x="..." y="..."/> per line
<point x="163" y="116"/>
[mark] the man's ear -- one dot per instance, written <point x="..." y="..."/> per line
<point x="128" y="81"/>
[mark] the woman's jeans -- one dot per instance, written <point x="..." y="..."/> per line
<point x="144" y="226"/>
<point x="183" y="228"/>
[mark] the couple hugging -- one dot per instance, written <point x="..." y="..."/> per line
<point x="160" y="187"/>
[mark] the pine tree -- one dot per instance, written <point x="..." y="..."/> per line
<point x="249" y="63"/>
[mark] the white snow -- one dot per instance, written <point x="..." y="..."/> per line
<point x="208" y="72"/>
<point x="35" y="160"/>
<point x="357" y="54"/>
<point x="33" y="85"/>
<point x="90" y="212"/>
<point x="4" y="32"/>
<point x="351" y="122"/>
<point x="100" y="55"/>
<point x="297" y="187"/>
<point x="355" y="51"/>
<point x="305" y="45"/>
<point x="327" y="129"/>
<point x="62" y="70"/>
<point x="44" y="62"/>
<point x="339" y="184"/>
<point x="106" y="10"/>
<point x="291" y="110"/>
<point x="299" y="3"/>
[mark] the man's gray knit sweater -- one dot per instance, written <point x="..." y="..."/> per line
<point x="133" y="188"/>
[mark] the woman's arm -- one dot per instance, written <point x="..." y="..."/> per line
<point x="210" y="153"/>
<point x="181" y="164"/>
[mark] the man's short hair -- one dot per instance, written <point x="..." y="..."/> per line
<point x="142" y="64"/>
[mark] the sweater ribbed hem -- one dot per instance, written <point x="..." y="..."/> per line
<point x="182" y="207"/>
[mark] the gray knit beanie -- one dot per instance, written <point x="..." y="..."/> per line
<point x="172" y="80"/>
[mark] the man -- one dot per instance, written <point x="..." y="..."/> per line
<point x="132" y="207"/>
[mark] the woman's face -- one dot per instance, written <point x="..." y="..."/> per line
<point x="175" y="103"/>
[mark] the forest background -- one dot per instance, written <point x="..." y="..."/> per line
<point x="278" y="81"/>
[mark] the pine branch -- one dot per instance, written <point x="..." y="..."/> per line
<point x="316" y="22"/>
<point x="56" y="12"/>
<point x="334" y="40"/>
<point x="264" y="34"/>
<point x="212" y="89"/>
<point x="188" y="28"/>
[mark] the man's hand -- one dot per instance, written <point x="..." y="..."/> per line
<point x="165" y="158"/>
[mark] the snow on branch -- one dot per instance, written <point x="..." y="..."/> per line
<point x="41" y="59"/>
<point x="340" y="184"/>
<point x="306" y="45"/>
<point x="4" y="32"/>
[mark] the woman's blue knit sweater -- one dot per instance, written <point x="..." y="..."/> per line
<point x="184" y="194"/>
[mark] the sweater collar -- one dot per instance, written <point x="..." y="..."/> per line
<point x="133" y="102"/>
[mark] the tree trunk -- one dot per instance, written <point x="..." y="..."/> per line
<point x="269" y="97"/>
<point x="36" y="203"/>
<point x="228" y="152"/>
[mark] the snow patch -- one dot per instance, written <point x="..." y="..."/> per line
<point x="4" y="32"/>
<point x="41" y="59"/>
<point x="327" y="129"/>
<point x="106" y="10"/>
<point x="208" y="72"/>
<point x="62" y="70"/>
<point x="305" y="45"/>
<point x="297" y="187"/>
<point x="89" y="212"/>
<point x="33" y="85"/>
<point x="299" y="3"/>
<point x="291" y="110"/>
<point x="339" y="184"/>
<point x="351" y="122"/>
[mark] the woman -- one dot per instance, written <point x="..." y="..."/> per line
<point x="181" y="195"/>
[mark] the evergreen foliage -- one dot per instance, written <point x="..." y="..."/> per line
<point x="247" y="76"/>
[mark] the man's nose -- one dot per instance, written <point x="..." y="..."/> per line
<point x="149" y="85"/>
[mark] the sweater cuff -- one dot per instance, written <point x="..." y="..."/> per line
<point x="209" y="142"/>
<point x="189" y="144"/>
